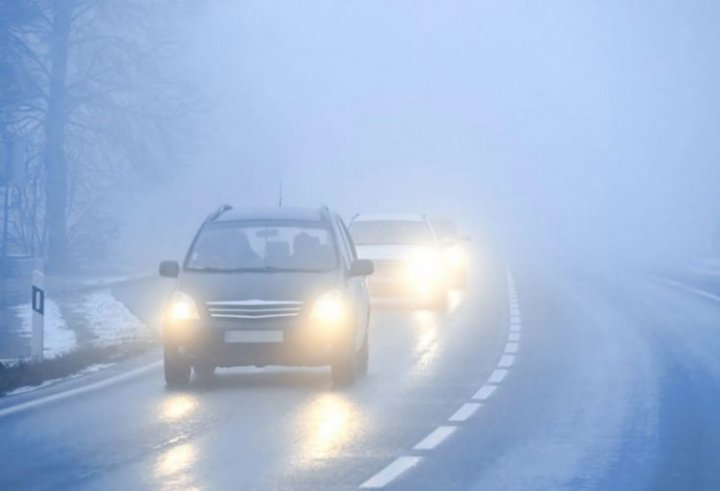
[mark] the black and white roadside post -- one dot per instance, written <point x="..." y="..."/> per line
<point x="37" y="344"/>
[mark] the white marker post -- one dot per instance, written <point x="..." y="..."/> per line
<point x="37" y="343"/>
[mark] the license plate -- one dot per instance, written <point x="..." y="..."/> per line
<point x="253" y="336"/>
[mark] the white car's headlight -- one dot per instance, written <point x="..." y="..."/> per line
<point x="182" y="307"/>
<point x="330" y="308"/>
<point x="423" y="267"/>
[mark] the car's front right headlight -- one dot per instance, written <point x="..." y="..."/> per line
<point x="330" y="309"/>
<point x="182" y="307"/>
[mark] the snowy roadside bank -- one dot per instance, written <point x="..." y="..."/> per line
<point x="95" y="319"/>
<point x="24" y="377"/>
<point x="82" y="330"/>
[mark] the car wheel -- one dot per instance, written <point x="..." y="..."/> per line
<point x="204" y="371"/>
<point x="177" y="370"/>
<point x="344" y="369"/>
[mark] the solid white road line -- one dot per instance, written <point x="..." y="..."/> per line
<point x="42" y="401"/>
<point x="484" y="392"/>
<point x="685" y="287"/>
<point x="506" y="361"/>
<point x="497" y="376"/>
<point x="514" y="336"/>
<point x="516" y="327"/>
<point x="435" y="438"/>
<point x="465" y="411"/>
<point x="391" y="472"/>
<point x="511" y="347"/>
<point x="515" y="319"/>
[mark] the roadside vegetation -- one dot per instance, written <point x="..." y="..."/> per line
<point x="33" y="374"/>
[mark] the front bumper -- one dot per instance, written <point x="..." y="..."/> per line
<point x="300" y="343"/>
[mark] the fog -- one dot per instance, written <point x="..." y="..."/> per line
<point x="582" y="128"/>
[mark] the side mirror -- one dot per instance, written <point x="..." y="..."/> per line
<point x="362" y="267"/>
<point x="169" y="269"/>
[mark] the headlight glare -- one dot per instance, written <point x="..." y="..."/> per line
<point x="423" y="268"/>
<point x="182" y="307"/>
<point x="330" y="308"/>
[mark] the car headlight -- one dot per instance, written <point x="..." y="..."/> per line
<point x="330" y="308"/>
<point x="182" y="307"/>
<point x="423" y="268"/>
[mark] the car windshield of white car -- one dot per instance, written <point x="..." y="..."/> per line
<point x="391" y="232"/>
<point x="263" y="247"/>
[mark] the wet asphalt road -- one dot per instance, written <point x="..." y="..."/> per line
<point x="557" y="380"/>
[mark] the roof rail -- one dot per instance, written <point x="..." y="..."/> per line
<point x="219" y="211"/>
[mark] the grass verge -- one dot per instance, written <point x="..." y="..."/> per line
<point x="29" y="374"/>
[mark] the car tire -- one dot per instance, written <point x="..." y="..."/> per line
<point x="177" y="370"/>
<point x="344" y="369"/>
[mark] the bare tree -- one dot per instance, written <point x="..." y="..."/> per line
<point x="109" y="104"/>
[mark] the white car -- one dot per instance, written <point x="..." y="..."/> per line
<point x="409" y="264"/>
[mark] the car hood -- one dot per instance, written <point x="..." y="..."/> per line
<point x="390" y="252"/>
<point x="269" y="287"/>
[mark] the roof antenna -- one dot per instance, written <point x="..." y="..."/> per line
<point x="280" y="195"/>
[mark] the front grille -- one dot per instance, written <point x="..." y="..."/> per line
<point x="253" y="309"/>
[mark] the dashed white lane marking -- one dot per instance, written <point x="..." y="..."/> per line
<point x="465" y="411"/>
<point x="497" y="376"/>
<point x="80" y="390"/>
<point x="511" y="347"/>
<point x="435" y="438"/>
<point x="506" y="361"/>
<point x="441" y="433"/>
<point x="484" y="392"/>
<point x="391" y="472"/>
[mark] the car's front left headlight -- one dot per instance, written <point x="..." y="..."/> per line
<point x="182" y="307"/>
<point x="423" y="268"/>
<point x="330" y="309"/>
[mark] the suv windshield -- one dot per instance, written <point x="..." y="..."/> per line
<point x="395" y="232"/>
<point x="263" y="246"/>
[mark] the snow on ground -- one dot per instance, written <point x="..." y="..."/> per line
<point x="109" y="319"/>
<point x="98" y="313"/>
<point x="59" y="338"/>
